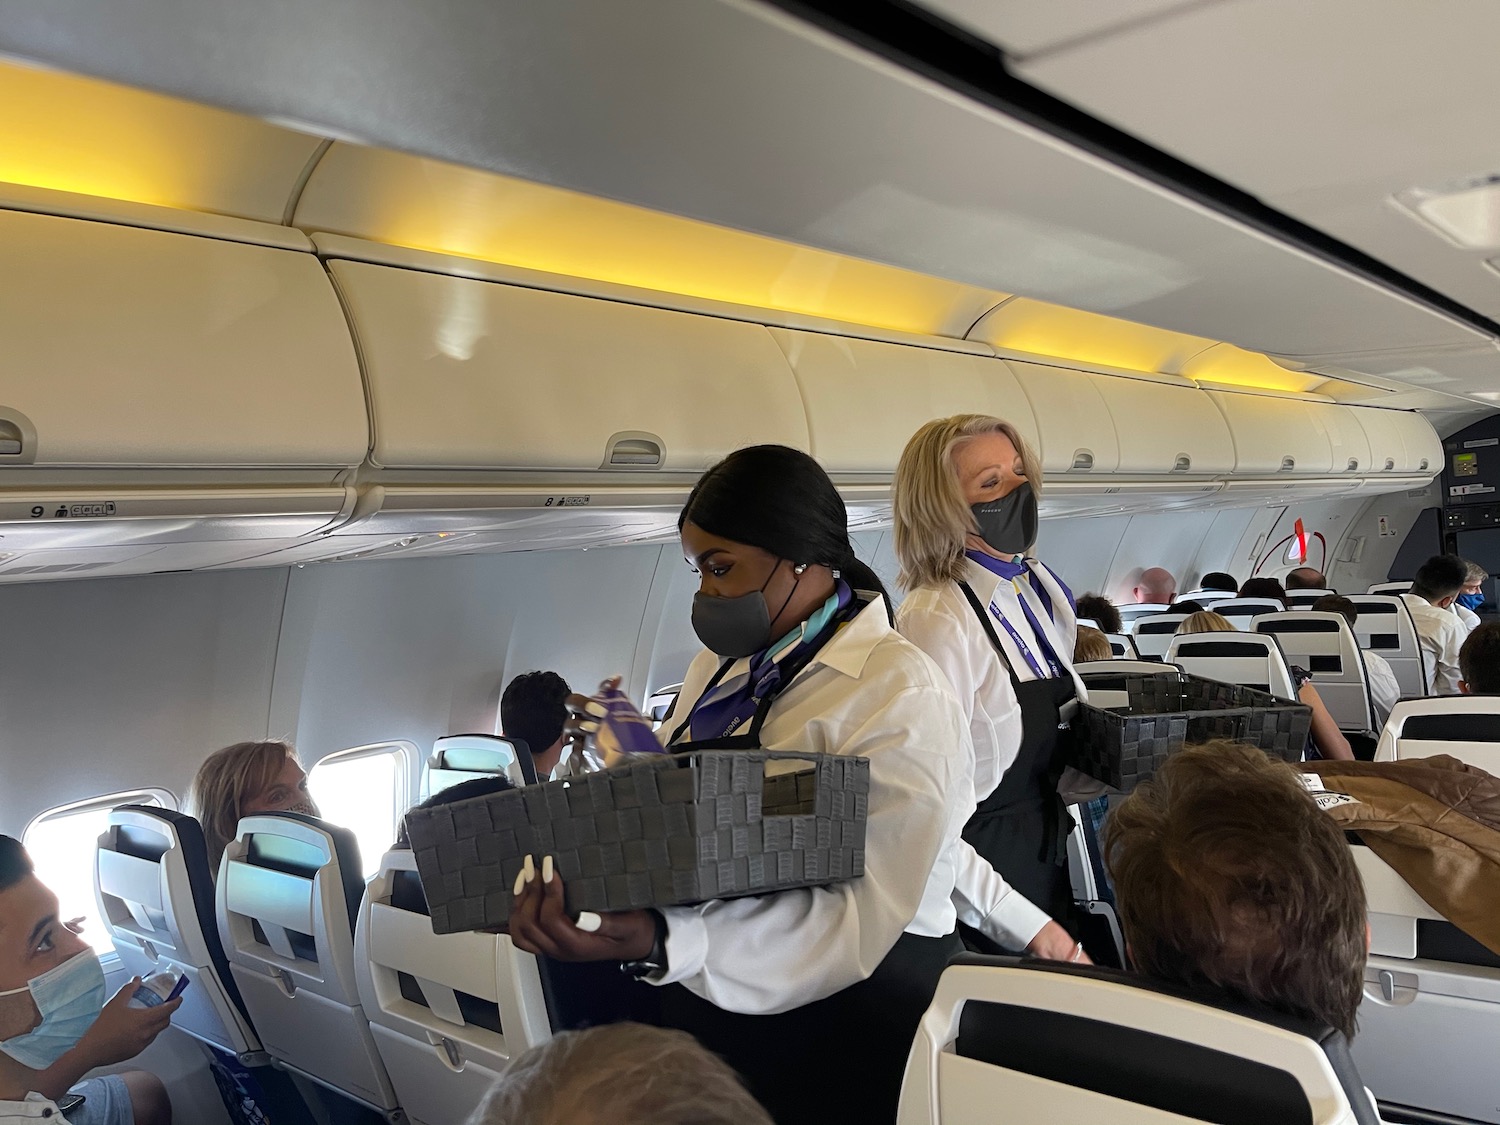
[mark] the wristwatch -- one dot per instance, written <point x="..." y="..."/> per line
<point x="655" y="961"/>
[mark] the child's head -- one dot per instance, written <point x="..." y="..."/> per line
<point x="1229" y="878"/>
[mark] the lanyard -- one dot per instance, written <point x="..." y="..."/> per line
<point x="1053" y="669"/>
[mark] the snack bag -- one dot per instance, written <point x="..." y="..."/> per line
<point x="621" y="729"/>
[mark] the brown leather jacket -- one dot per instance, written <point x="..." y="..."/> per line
<point x="1437" y="822"/>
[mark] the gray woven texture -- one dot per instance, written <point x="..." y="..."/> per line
<point x="1167" y="713"/>
<point x="664" y="830"/>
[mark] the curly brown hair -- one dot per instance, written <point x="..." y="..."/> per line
<point x="1230" y="879"/>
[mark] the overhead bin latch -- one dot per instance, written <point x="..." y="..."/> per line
<point x="1182" y="464"/>
<point x="1288" y="464"/>
<point x="1390" y="464"/>
<point x="634" y="449"/>
<point x="1353" y="466"/>
<point x="1083" y="461"/>
<point x="17" y="438"/>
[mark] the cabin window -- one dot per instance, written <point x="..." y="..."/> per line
<point x="62" y="842"/>
<point x="366" y="790"/>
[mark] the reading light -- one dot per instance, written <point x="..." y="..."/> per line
<point x="1466" y="213"/>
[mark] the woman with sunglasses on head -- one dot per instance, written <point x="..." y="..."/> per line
<point x="812" y="994"/>
<point x="1002" y="627"/>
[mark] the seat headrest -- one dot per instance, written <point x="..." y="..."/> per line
<point x="1462" y="727"/>
<point x="345" y="855"/>
<point x="1173" y="1075"/>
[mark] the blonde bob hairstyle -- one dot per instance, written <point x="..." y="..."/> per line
<point x="225" y="780"/>
<point x="933" y="521"/>
<point x="1207" y="621"/>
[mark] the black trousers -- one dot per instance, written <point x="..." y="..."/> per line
<point x="835" y="1061"/>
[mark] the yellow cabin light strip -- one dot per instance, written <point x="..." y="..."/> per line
<point x="66" y="133"/>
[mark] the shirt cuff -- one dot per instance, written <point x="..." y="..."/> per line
<point x="1015" y="922"/>
<point x="687" y="945"/>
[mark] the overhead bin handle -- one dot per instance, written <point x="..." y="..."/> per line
<point x="1288" y="464"/>
<point x="634" y="449"/>
<point x="1083" y="461"/>
<point x="17" y="438"/>
<point x="1422" y="468"/>
<point x="1182" y="464"/>
<point x="1390" y="464"/>
<point x="1353" y="466"/>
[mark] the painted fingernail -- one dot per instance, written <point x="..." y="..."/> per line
<point x="528" y="870"/>
<point x="547" y="869"/>
<point x="589" y="922"/>
<point x="520" y="882"/>
<point x="596" y="708"/>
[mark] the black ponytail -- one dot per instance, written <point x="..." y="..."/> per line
<point x="780" y="500"/>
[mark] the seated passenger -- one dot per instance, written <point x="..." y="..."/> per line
<point x="1096" y="607"/>
<point x="1155" y="587"/>
<point x="1231" y="881"/>
<point x="626" y="1074"/>
<point x="1306" y="578"/>
<point x="1437" y="583"/>
<point x="1218" y="580"/>
<point x="1384" y="690"/>
<point x="1187" y="605"/>
<point x="1479" y="661"/>
<point x="533" y="709"/>
<point x="1263" y="588"/>
<point x="1091" y="645"/>
<point x="1325" y="737"/>
<point x="54" y="1023"/>
<point x="1471" y="596"/>
<point x="246" y="778"/>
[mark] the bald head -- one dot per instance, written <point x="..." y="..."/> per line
<point x="1156" y="586"/>
<point x="1306" y="578"/>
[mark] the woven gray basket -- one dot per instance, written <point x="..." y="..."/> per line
<point x="662" y="830"/>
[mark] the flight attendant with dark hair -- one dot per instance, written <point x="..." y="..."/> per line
<point x="813" y="994"/>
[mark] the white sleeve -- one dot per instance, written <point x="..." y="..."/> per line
<point x="759" y="956"/>
<point x="1446" y="675"/>
<point x="992" y="906"/>
<point x="943" y="638"/>
<point x="1384" y="690"/>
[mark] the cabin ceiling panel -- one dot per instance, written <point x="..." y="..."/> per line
<point x="1324" y="111"/>
<point x="69" y="133"/>
<point x="739" y="115"/>
<point x="1024" y="27"/>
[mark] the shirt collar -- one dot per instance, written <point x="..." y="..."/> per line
<point x="850" y="648"/>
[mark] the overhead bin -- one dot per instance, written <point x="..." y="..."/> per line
<point x="1275" y="436"/>
<point x="1421" y="447"/>
<point x="864" y="399"/>
<point x="1166" y="430"/>
<point x="470" y="375"/>
<point x="1077" y="432"/>
<point x="126" y="348"/>
<point x="1348" y="444"/>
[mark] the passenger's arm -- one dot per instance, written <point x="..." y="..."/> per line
<point x="1326" y="735"/>
<point x="120" y="1033"/>
<point x="1446" y="674"/>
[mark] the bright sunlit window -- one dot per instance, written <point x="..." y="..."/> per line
<point x="61" y="843"/>
<point x="365" y="791"/>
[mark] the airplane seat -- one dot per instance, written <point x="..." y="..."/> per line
<point x="660" y="702"/>
<point x="1239" y="611"/>
<point x="1252" y="660"/>
<point x="1385" y="627"/>
<point x="1304" y="599"/>
<point x="155" y="894"/>
<point x="1106" y="679"/>
<point x="1431" y="1010"/>
<point x="1123" y="646"/>
<point x="1088" y="622"/>
<point x="1206" y="598"/>
<point x="1153" y="634"/>
<point x="1389" y="587"/>
<point x="1130" y="614"/>
<point x="289" y="896"/>
<point x="1324" y="644"/>
<point x="463" y="757"/>
<point x="448" y="1011"/>
<point x="1055" y="1042"/>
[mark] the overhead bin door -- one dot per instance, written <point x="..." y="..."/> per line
<point x="1422" y="448"/>
<point x="467" y="374"/>
<point x="123" y="347"/>
<point x="1274" y="436"/>
<point x="1348" y="445"/>
<point x="1383" y="430"/>
<point x="865" y="399"/>
<point x="1166" y="430"/>
<point x="1078" y="435"/>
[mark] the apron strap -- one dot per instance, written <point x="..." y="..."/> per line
<point x="984" y="619"/>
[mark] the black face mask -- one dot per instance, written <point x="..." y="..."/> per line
<point x="740" y="626"/>
<point x="1009" y="523"/>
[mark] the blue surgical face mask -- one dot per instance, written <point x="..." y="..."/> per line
<point x="70" y="997"/>
<point x="1471" y="601"/>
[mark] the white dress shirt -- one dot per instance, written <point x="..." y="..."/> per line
<point x="1384" y="690"/>
<point x="869" y="693"/>
<point x="1467" y="616"/>
<point x="1440" y="634"/>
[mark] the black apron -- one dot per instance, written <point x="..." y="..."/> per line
<point x="837" y="1060"/>
<point x="1022" y="827"/>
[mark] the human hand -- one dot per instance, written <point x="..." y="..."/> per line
<point x="585" y="713"/>
<point x="122" y="1032"/>
<point x="1055" y="944"/>
<point x="539" y="923"/>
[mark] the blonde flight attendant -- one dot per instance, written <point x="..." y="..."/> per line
<point x="1002" y="626"/>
